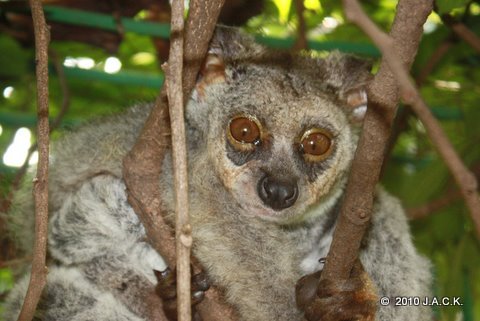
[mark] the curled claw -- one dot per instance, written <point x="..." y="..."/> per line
<point x="166" y="286"/>
<point x="306" y="289"/>
<point x="342" y="300"/>
<point x="167" y="290"/>
<point x="200" y="284"/>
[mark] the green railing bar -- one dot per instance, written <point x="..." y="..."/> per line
<point x="418" y="162"/>
<point x="287" y="43"/>
<point x="147" y="28"/>
<point x="106" y="22"/>
<point x="7" y="170"/>
<point x="17" y="120"/>
<point x="130" y="78"/>
<point x="445" y="113"/>
<point x="467" y="299"/>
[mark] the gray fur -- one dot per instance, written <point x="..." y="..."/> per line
<point x="254" y="253"/>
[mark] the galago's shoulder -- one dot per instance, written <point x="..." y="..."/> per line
<point x="95" y="148"/>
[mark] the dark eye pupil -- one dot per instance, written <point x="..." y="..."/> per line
<point x="244" y="130"/>
<point x="316" y="144"/>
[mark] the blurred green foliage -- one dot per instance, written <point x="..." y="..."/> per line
<point x="6" y="282"/>
<point x="414" y="171"/>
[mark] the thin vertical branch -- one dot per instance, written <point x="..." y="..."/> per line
<point x="301" y="42"/>
<point x="38" y="276"/>
<point x="183" y="238"/>
<point x="142" y="165"/>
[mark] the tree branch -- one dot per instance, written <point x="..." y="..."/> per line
<point x="183" y="235"/>
<point x="424" y="210"/>
<point x="462" y="31"/>
<point x="401" y="119"/>
<point x="383" y="98"/>
<point x="301" y="42"/>
<point x="38" y="276"/>
<point x="434" y="59"/>
<point x="62" y="79"/>
<point x="452" y="195"/>
<point x="142" y="165"/>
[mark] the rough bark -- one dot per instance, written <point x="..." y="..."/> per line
<point x="142" y="166"/>
<point x="383" y="94"/>
<point x="183" y="236"/>
<point x="38" y="276"/>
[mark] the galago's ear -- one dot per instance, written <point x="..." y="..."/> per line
<point x="356" y="101"/>
<point x="349" y="76"/>
<point x="211" y="72"/>
<point x="228" y="46"/>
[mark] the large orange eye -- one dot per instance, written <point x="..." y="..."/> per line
<point x="316" y="144"/>
<point x="244" y="132"/>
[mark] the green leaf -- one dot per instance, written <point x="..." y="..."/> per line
<point x="312" y="5"/>
<point x="283" y="7"/>
<point x="14" y="60"/>
<point x="445" y="6"/>
<point x="6" y="280"/>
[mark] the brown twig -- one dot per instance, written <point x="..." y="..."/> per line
<point x="426" y="209"/>
<point x="462" y="31"/>
<point x="434" y="59"/>
<point x="183" y="237"/>
<point x="452" y="195"/>
<point x="465" y="180"/>
<point x="38" y="276"/>
<point x="383" y="98"/>
<point x="62" y="79"/>
<point x="301" y="42"/>
<point x="142" y="165"/>
<point x="15" y="262"/>
<point x="401" y="124"/>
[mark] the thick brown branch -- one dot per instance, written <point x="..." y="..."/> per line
<point x="463" y="177"/>
<point x="38" y="276"/>
<point x="383" y="98"/>
<point x="179" y="156"/>
<point x="141" y="170"/>
<point x="142" y="166"/>
<point x="201" y="22"/>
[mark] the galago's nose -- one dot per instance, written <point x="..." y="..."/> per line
<point x="276" y="193"/>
